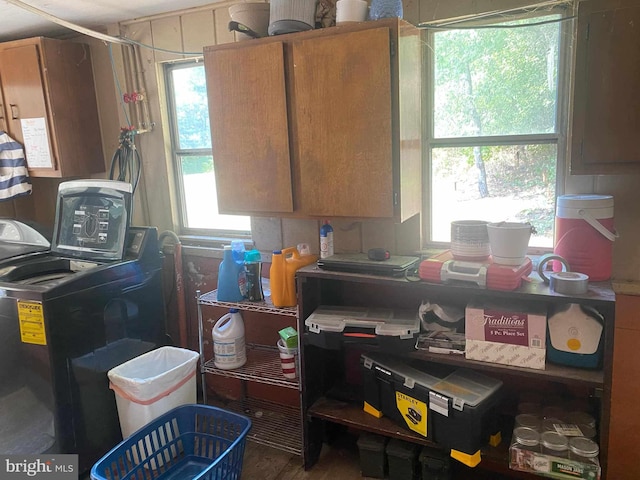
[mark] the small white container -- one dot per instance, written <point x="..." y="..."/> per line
<point x="348" y="11"/>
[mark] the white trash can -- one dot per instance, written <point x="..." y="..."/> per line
<point x="151" y="384"/>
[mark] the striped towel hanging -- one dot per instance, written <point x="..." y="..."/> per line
<point x="14" y="177"/>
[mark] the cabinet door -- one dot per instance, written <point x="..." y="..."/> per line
<point x="249" y="128"/>
<point x="25" y="104"/>
<point x="606" y="112"/>
<point x="342" y="124"/>
<point x="3" y="115"/>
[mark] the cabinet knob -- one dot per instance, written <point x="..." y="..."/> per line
<point x="14" y="111"/>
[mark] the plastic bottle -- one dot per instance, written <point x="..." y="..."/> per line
<point x="230" y="275"/>
<point x="326" y="240"/>
<point x="238" y="253"/>
<point x="284" y="264"/>
<point x="229" y="349"/>
<point x="253" y="269"/>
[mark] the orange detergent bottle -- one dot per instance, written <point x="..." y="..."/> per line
<point x="284" y="264"/>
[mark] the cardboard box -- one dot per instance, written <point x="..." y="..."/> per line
<point x="552" y="467"/>
<point x="289" y="337"/>
<point x="507" y="335"/>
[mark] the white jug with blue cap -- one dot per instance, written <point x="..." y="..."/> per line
<point x="228" y="341"/>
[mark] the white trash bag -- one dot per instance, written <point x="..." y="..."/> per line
<point x="153" y="383"/>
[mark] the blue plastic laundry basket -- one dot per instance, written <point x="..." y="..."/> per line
<point x="188" y="442"/>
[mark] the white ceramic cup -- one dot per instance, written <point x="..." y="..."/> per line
<point x="351" y="11"/>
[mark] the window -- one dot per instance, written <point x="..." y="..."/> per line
<point x="496" y="142"/>
<point x="192" y="154"/>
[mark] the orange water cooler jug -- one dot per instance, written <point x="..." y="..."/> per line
<point x="284" y="264"/>
<point x="584" y="234"/>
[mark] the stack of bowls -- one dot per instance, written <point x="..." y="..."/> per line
<point x="470" y="240"/>
<point x="254" y="15"/>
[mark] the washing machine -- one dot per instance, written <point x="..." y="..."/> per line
<point x="68" y="315"/>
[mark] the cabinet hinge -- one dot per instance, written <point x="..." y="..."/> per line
<point x="393" y="48"/>
<point x="395" y="198"/>
<point x="588" y="29"/>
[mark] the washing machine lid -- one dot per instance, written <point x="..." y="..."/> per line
<point x="17" y="238"/>
<point x="92" y="219"/>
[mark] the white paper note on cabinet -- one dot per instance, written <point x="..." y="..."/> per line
<point x="36" y="142"/>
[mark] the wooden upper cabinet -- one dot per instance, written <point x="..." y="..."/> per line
<point x="343" y="118"/>
<point x="329" y="120"/>
<point x="50" y="106"/>
<point x="606" y="106"/>
<point x="248" y="116"/>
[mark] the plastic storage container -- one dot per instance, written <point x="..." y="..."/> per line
<point x="190" y="441"/>
<point x="395" y="331"/>
<point x="284" y="264"/>
<point x="402" y="458"/>
<point x="584" y="234"/>
<point x="435" y="464"/>
<point x="229" y="350"/>
<point x="152" y="384"/>
<point x="457" y="409"/>
<point x="373" y="461"/>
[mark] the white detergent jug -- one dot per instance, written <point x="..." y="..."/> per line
<point x="228" y="341"/>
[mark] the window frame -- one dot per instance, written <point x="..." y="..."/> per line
<point x="198" y="235"/>
<point x="559" y="137"/>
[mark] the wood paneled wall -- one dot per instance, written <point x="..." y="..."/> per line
<point x="624" y="431"/>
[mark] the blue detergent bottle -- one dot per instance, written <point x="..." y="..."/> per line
<point x="230" y="278"/>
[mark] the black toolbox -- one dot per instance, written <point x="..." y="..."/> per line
<point x="455" y="408"/>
